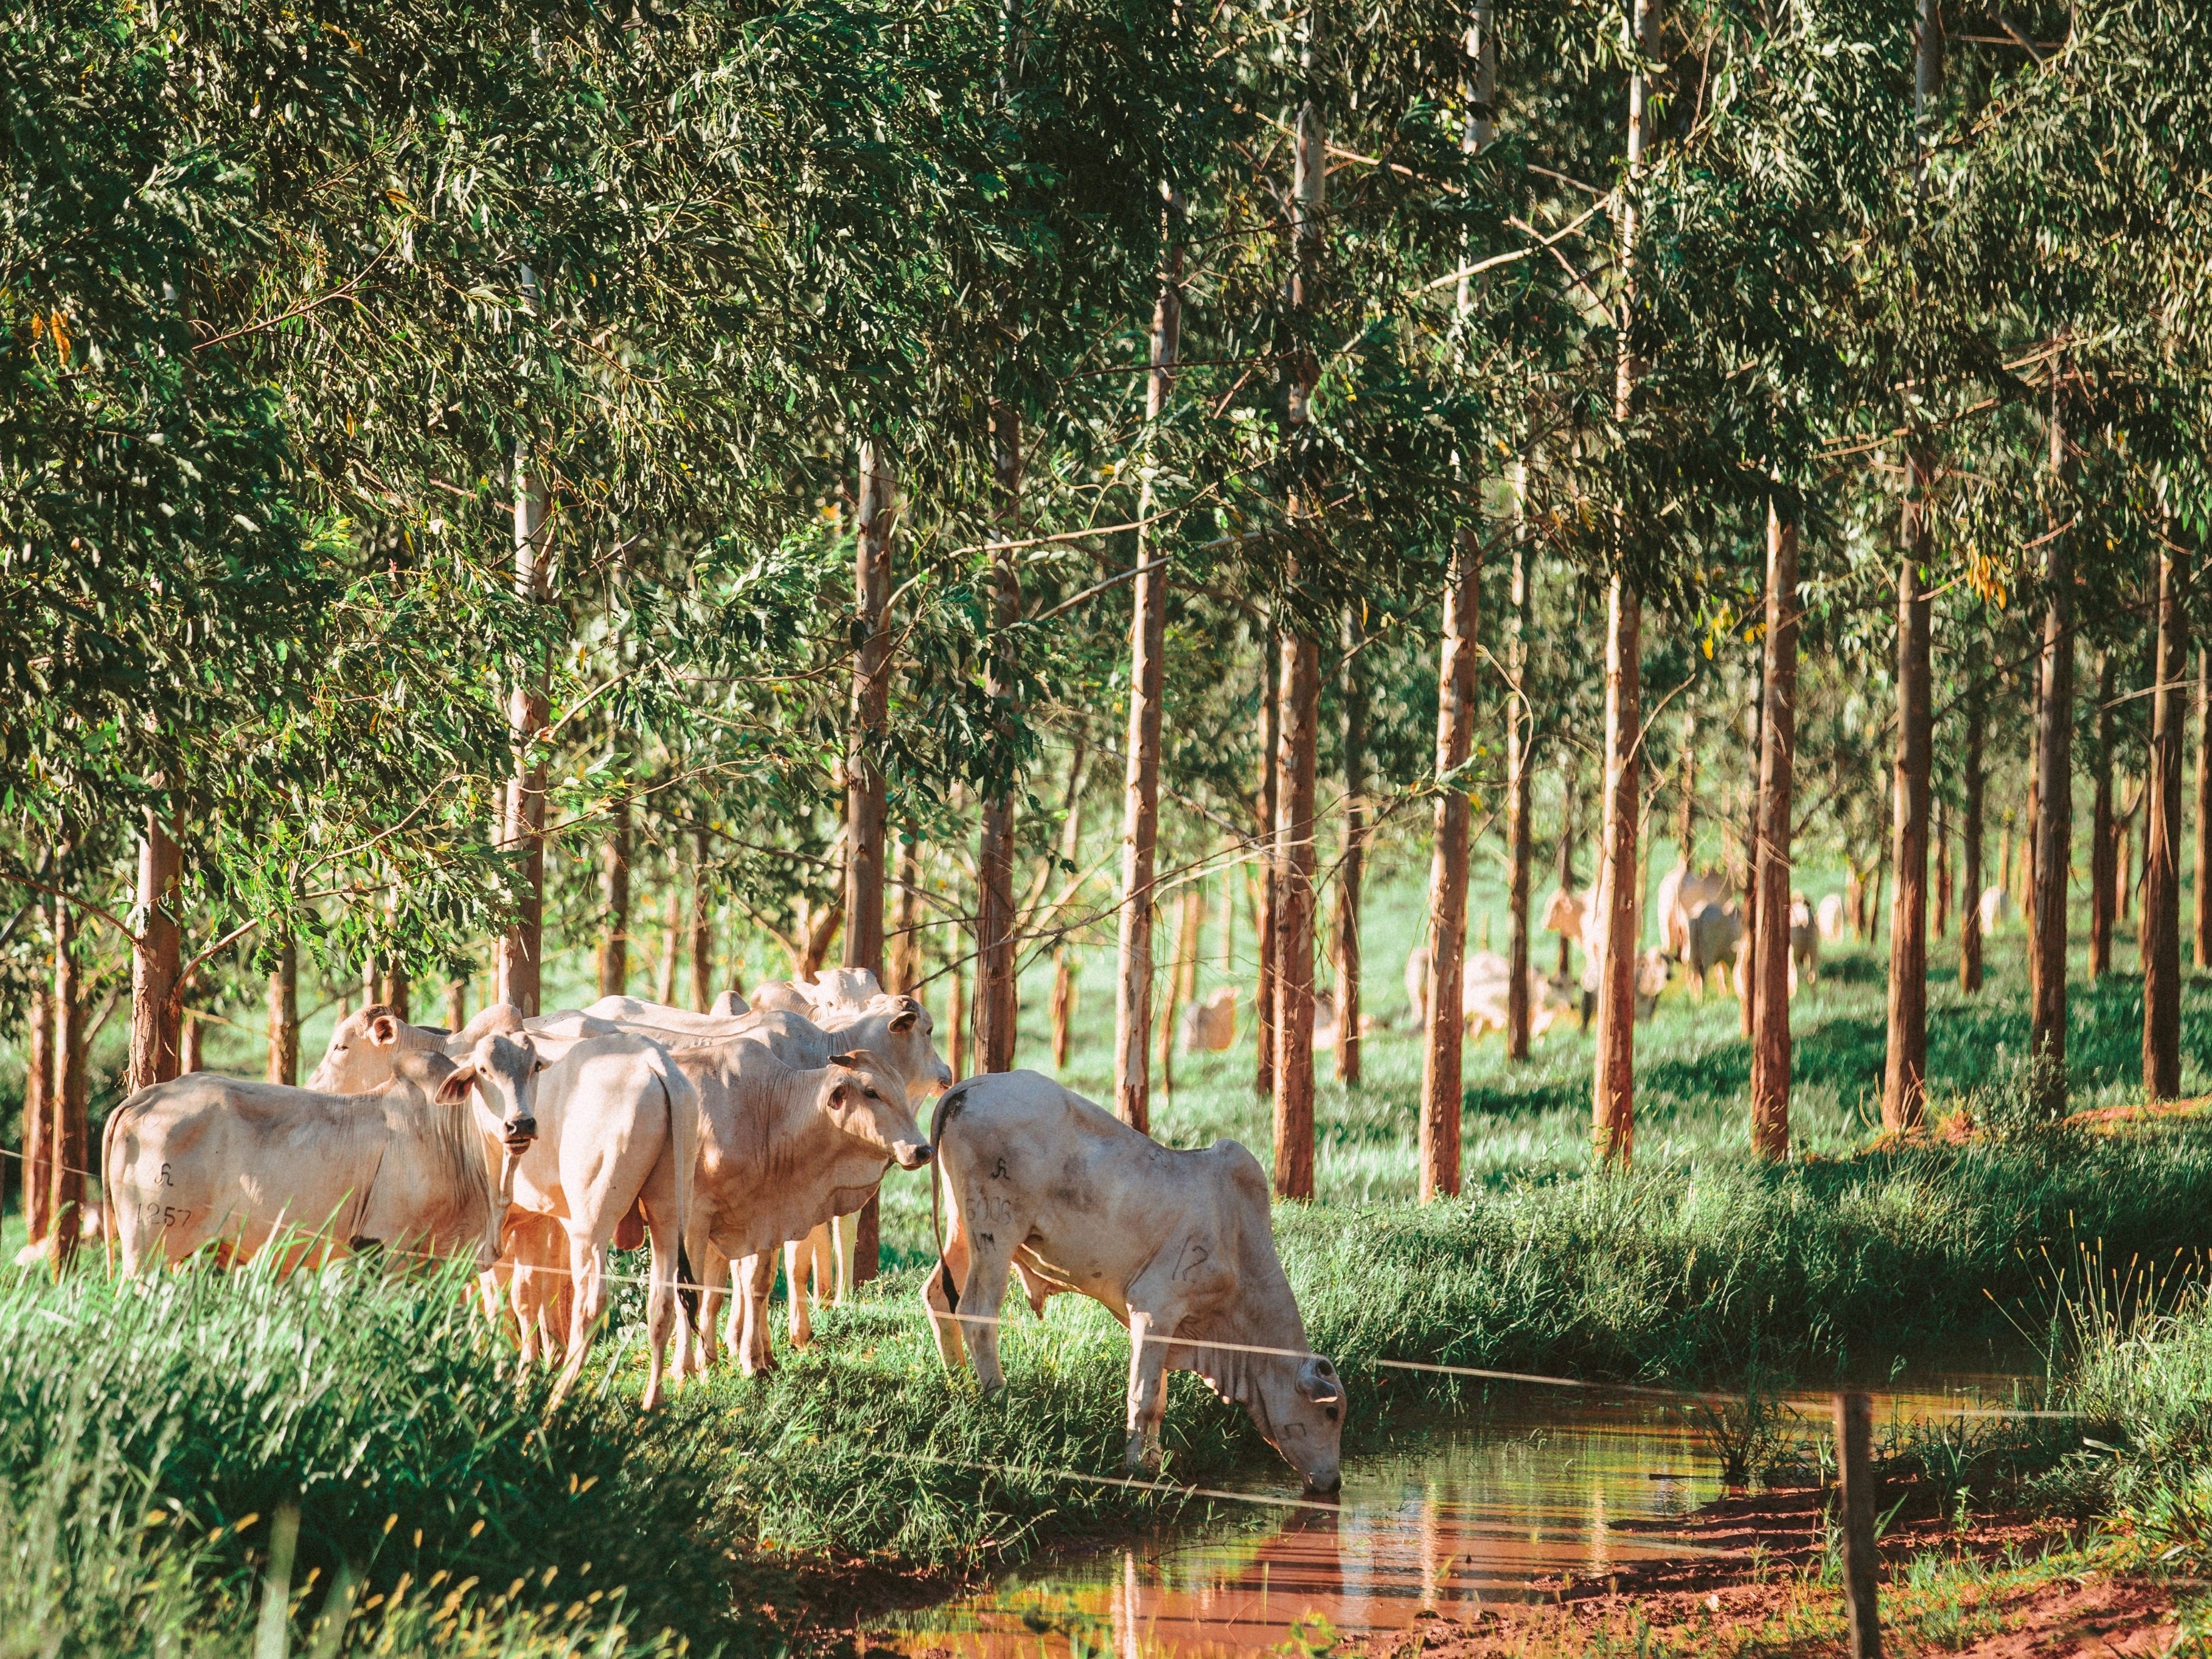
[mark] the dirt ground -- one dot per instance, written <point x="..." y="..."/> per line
<point x="2004" y="1587"/>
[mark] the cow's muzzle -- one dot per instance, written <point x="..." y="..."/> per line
<point x="913" y="1155"/>
<point x="519" y="1132"/>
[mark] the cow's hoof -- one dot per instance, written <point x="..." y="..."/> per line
<point x="1144" y="1453"/>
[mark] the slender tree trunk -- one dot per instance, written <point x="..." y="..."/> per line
<point x="2124" y="856"/>
<point x="1520" y="723"/>
<point x="996" y="994"/>
<point x="2160" y="932"/>
<point x="1614" y="1103"/>
<point x="1140" y="793"/>
<point x="70" y="1097"/>
<point x="1770" y="1048"/>
<point x="457" y="1004"/>
<point x="518" y="963"/>
<point x="1294" y="927"/>
<point x="614" y="896"/>
<point x="868" y="733"/>
<point x="2104" y="895"/>
<point x="1905" y="1080"/>
<point x="1063" y="1005"/>
<point x="155" y="962"/>
<point x="1970" y="897"/>
<point x="1941" y="927"/>
<point x="672" y="940"/>
<point x="1566" y="877"/>
<point x="955" y="1026"/>
<point x="284" y="1016"/>
<point x="2202" y="956"/>
<point x="1443" y="1055"/>
<point x="1686" y="805"/>
<point x="2054" y="771"/>
<point x="1747" y="1008"/>
<point x="906" y="943"/>
<point x="39" y="1097"/>
<point x="702" y="928"/>
<point x="1182" y="975"/>
<point x="1270" y="787"/>
<point x="1353" y="690"/>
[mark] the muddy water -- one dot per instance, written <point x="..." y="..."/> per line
<point x="1543" y="1482"/>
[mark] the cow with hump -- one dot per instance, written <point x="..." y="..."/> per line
<point x="1178" y="1245"/>
<point x="419" y="1163"/>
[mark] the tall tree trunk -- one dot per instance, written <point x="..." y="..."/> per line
<point x="1063" y="1005"/>
<point x="1140" y="790"/>
<point x="1353" y="687"/>
<point x="155" y="962"/>
<point x="1182" y="978"/>
<point x="1747" y="1006"/>
<point x="518" y="963"/>
<point x="2202" y="956"/>
<point x="1614" y="1102"/>
<point x="40" y="1097"/>
<point x="1685" y="803"/>
<point x="457" y="1004"/>
<point x="1520" y="733"/>
<point x="284" y="1016"/>
<point x="1904" y="1078"/>
<point x="2054" y="779"/>
<point x="2161" y="933"/>
<point x="1566" y="877"/>
<point x="867" y="732"/>
<point x="1444" y="1054"/>
<point x="70" y="1095"/>
<point x="1270" y="788"/>
<point x="906" y="942"/>
<point x="996" y="994"/>
<point x="1970" y="896"/>
<point x="672" y="940"/>
<point x="1294" y="926"/>
<point x="702" y="928"/>
<point x="2104" y="895"/>
<point x="1770" y="1048"/>
<point x="614" y="896"/>
<point x="1940" y="927"/>
<point x="955" y="1026"/>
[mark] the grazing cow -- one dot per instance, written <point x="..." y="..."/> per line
<point x="1681" y="892"/>
<point x="1564" y="913"/>
<point x="1710" y="942"/>
<point x="1830" y="916"/>
<point x="1178" y="1245"/>
<point x="1210" y="1027"/>
<point x="784" y="1149"/>
<point x="1804" y="944"/>
<point x="416" y="1165"/>
<point x="618" y="1129"/>
<point x="1485" y="997"/>
<point x="1996" y="907"/>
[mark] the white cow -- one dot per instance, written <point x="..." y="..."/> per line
<point x="1804" y="944"/>
<point x="1832" y="917"/>
<point x="1681" y="893"/>
<point x="1210" y="1027"/>
<point x="1178" y="1246"/>
<point x="1709" y="941"/>
<point x="1996" y="908"/>
<point x="416" y="1166"/>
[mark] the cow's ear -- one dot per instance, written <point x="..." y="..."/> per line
<point x="454" y="1091"/>
<point x="905" y="1022"/>
<point x="837" y="1094"/>
<point x="384" y="1029"/>
<point x="847" y="1061"/>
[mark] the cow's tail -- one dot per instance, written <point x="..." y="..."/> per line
<point x="684" y="1132"/>
<point x="948" y="1108"/>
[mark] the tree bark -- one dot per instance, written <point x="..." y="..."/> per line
<point x="38" y="1100"/>
<point x="1270" y="787"/>
<point x="1520" y="747"/>
<point x="1770" y="1050"/>
<point x="1063" y="1005"/>
<point x="1970" y="897"/>
<point x="1905" y="1078"/>
<point x="955" y="1026"/>
<point x="1353" y="690"/>
<point x="868" y="733"/>
<point x="1182" y="977"/>
<point x="2202" y="956"/>
<point x="2160" y="935"/>
<point x="614" y="896"/>
<point x="284" y="1016"/>
<point x="70" y="1097"/>
<point x="457" y="1004"/>
<point x="1747" y="1005"/>
<point x="1443" y="1055"/>
<point x="1140" y="792"/>
<point x="996" y="994"/>
<point x="2103" y="897"/>
<point x="672" y="940"/>
<point x="519" y="961"/>
<point x="1940" y="927"/>
<point x="702" y="928"/>
<point x="1566" y="876"/>
<point x="2054" y="778"/>
<point x="1294" y="926"/>
<point x="155" y="962"/>
<point x="906" y="942"/>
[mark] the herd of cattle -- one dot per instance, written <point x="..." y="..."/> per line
<point x="535" y="1146"/>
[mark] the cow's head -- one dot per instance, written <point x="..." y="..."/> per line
<point x="500" y="1078"/>
<point x="913" y="1049"/>
<point x="363" y="1049"/>
<point x="866" y="1099"/>
<point x="1300" y="1408"/>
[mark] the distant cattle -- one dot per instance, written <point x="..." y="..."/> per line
<point x="1804" y="944"/>
<point x="1681" y="893"/>
<point x="1996" y="909"/>
<point x="1210" y="1027"/>
<point x="1709" y="941"/>
<point x="416" y="1166"/>
<point x="1179" y="1246"/>
<point x="1832" y="917"/>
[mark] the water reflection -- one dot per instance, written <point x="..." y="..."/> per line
<point x="1468" y="1512"/>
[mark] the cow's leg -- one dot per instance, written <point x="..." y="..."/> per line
<point x="983" y="1289"/>
<point x="1148" y="1391"/>
<point x="807" y="1277"/>
<point x="587" y="1270"/>
<point x="657" y="1198"/>
<point x="755" y="1278"/>
<point x="713" y="1270"/>
<point x="845" y="1240"/>
<point x="951" y="1271"/>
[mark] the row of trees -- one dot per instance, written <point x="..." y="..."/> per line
<point x="759" y="441"/>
